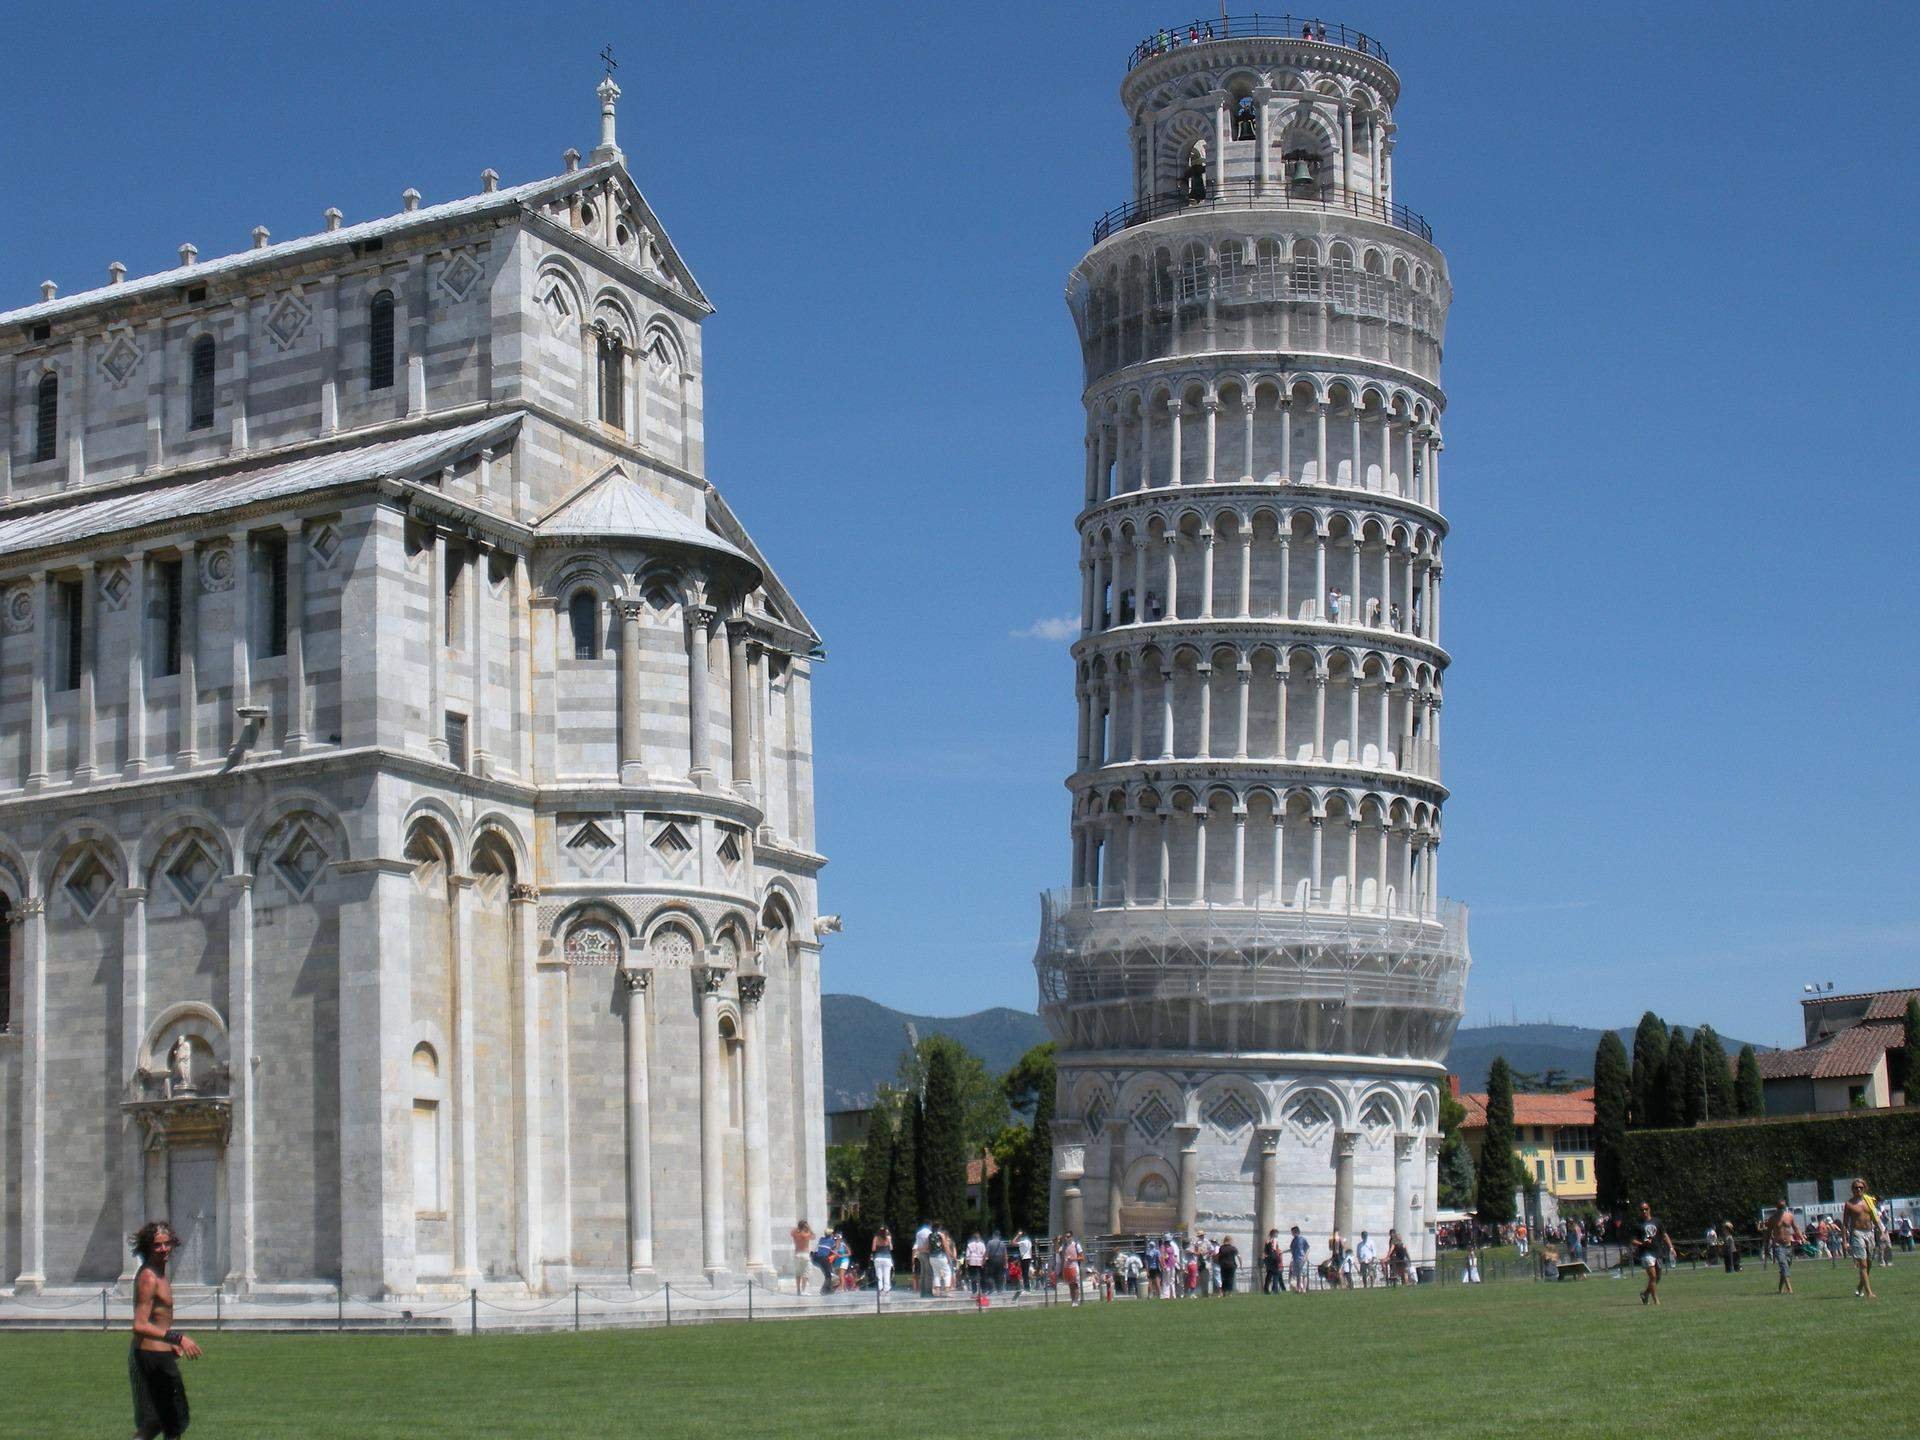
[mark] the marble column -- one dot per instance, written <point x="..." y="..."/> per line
<point x="1116" y="1171"/>
<point x="1070" y="1168"/>
<point x="1345" y="1142"/>
<point x="31" y="916"/>
<point x="296" y="732"/>
<point x="1189" y="1212"/>
<point x="1428" y="1240"/>
<point x="134" y="758"/>
<point x="243" y="1086"/>
<point x="466" y="1129"/>
<point x="42" y="659"/>
<point x="242" y="554"/>
<point x="739" y="710"/>
<point x="633" y="768"/>
<point x="753" y="1079"/>
<point x="713" y="1211"/>
<point x="188" y="695"/>
<point x="639" y="1128"/>
<point x="699" y="624"/>
<point x="436" y="638"/>
<point x="523" y="905"/>
<point x="133" y="1029"/>
<point x="1266" y="1194"/>
<point x="1407" y="1153"/>
<point x="479" y="563"/>
<point x="83" y="769"/>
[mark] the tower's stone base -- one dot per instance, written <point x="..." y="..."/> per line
<point x="1245" y="1144"/>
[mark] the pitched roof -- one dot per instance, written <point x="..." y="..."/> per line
<point x="973" y="1169"/>
<point x="135" y="508"/>
<point x="347" y="235"/>
<point x="616" y="506"/>
<point x="1573" y="1109"/>
<point x="1842" y="1055"/>
<point x="1881" y="1004"/>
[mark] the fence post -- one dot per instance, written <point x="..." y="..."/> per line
<point x="749" y="1301"/>
<point x="876" y="1299"/>
<point x="103" y="1308"/>
<point x="576" y="1309"/>
<point x="218" y="1322"/>
<point x="667" y="1290"/>
<point x="473" y="1312"/>
<point x="340" y="1305"/>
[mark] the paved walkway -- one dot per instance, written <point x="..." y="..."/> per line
<point x="587" y="1308"/>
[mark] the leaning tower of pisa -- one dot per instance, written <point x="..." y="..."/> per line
<point x="1252" y="977"/>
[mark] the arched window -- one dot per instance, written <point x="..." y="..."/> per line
<point x="46" y="417"/>
<point x="583" y="611"/>
<point x="380" y="342"/>
<point x="613" y="379"/>
<point x="200" y="385"/>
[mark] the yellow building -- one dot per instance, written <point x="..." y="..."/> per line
<point x="1552" y="1135"/>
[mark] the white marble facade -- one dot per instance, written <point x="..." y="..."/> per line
<point x="1252" y="975"/>
<point x="406" y="777"/>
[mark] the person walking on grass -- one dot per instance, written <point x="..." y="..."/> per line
<point x="1023" y="1247"/>
<point x="997" y="1263"/>
<point x="883" y="1260"/>
<point x="1860" y="1218"/>
<point x="1227" y="1257"/>
<point x="1297" y="1249"/>
<point x="1270" y="1262"/>
<point x="1783" y="1235"/>
<point x="976" y="1264"/>
<point x="153" y="1364"/>
<point x="1650" y="1244"/>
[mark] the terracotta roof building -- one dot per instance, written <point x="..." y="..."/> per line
<point x="1843" y="1065"/>
<point x="1552" y="1135"/>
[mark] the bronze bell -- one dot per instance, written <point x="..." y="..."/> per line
<point x="1302" y="172"/>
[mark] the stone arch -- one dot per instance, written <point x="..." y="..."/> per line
<point x="271" y="817"/>
<point x="432" y="810"/>
<point x="495" y="825"/>
<point x="1211" y="1106"/>
<point x="70" y="837"/>
<point x="145" y="854"/>
<point x="1287" y="1105"/>
<point x="576" y="568"/>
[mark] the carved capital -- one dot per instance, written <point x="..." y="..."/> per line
<point x="523" y="894"/>
<point x="634" y="610"/>
<point x="713" y="979"/>
<point x="752" y="988"/>
<point x="636" y="981"/>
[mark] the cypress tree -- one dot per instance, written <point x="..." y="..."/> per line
<point x="1456" y="1175"/>
<point x="909" y="1165"/>
<point x="1611" y="1079"/>
<point x="1901" y="1063"/>
<point x="1037" y="1203"/>
<point x="1649" y="1071"/>
<point x="1718" y="1073"/>
<point x="1675" y="1078"/>
<point x="1749" y="1095"/>
<point x="876" y="1170"/>
<point x="1694" y="1098"/>
<point x="1493" y="1182"/>
<point x="944" y="1144"/>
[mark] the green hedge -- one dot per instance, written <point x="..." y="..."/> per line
<point x="1694" y="1178"/>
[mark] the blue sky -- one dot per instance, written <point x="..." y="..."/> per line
<point x="1681" y="724"/>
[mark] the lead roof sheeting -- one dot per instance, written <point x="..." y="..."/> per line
<point x="133" y="510"/>
<point x="201" y="270"/>
<point x="617" y="505"/>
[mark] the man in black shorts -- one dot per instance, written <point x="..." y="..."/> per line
<point x="159" y="1396"/>
<point x="1651" y="1244"/>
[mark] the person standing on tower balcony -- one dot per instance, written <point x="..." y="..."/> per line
<point x="1333" y="606"/>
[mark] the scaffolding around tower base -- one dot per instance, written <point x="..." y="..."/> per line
<point x="1246" y="980"/>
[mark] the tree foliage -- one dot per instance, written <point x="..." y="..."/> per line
<point x="983" y="1097"/>
<point x="1676" y="1079"/>
<point x="903" y="1186"/>
<point x="1902" y="1062"/>
<point x="944" y="1148"/>
<point x="1494" y="1180"/>
<point x="1612" y="1081"/>
<point x="1749" y="1095"/>
<point x="876" y="1173"/>
<point x="1647" y="1097"/>
<point x="1456" y="1174"/>
<point x="1716" y="1072"/>
<point x="1036" y="1199"/>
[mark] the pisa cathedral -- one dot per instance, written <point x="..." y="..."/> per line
<point x="1252" y="977"/>
<point x="406" y="789"/>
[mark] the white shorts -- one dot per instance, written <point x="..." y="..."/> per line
<point x="1649" y="1261"/>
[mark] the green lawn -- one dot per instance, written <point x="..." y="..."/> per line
<point x="1723" y="1356"/>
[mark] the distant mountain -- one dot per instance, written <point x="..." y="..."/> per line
<point x="1539" y="1048"/>
<point x="864" y="1041"/>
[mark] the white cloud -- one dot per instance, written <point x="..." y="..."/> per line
<point x="1062" y="627"/>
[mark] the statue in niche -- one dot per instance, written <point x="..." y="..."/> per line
<point x="180" y="1068"/>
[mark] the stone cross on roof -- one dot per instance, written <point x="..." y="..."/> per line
<point x="608" y="91"/>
